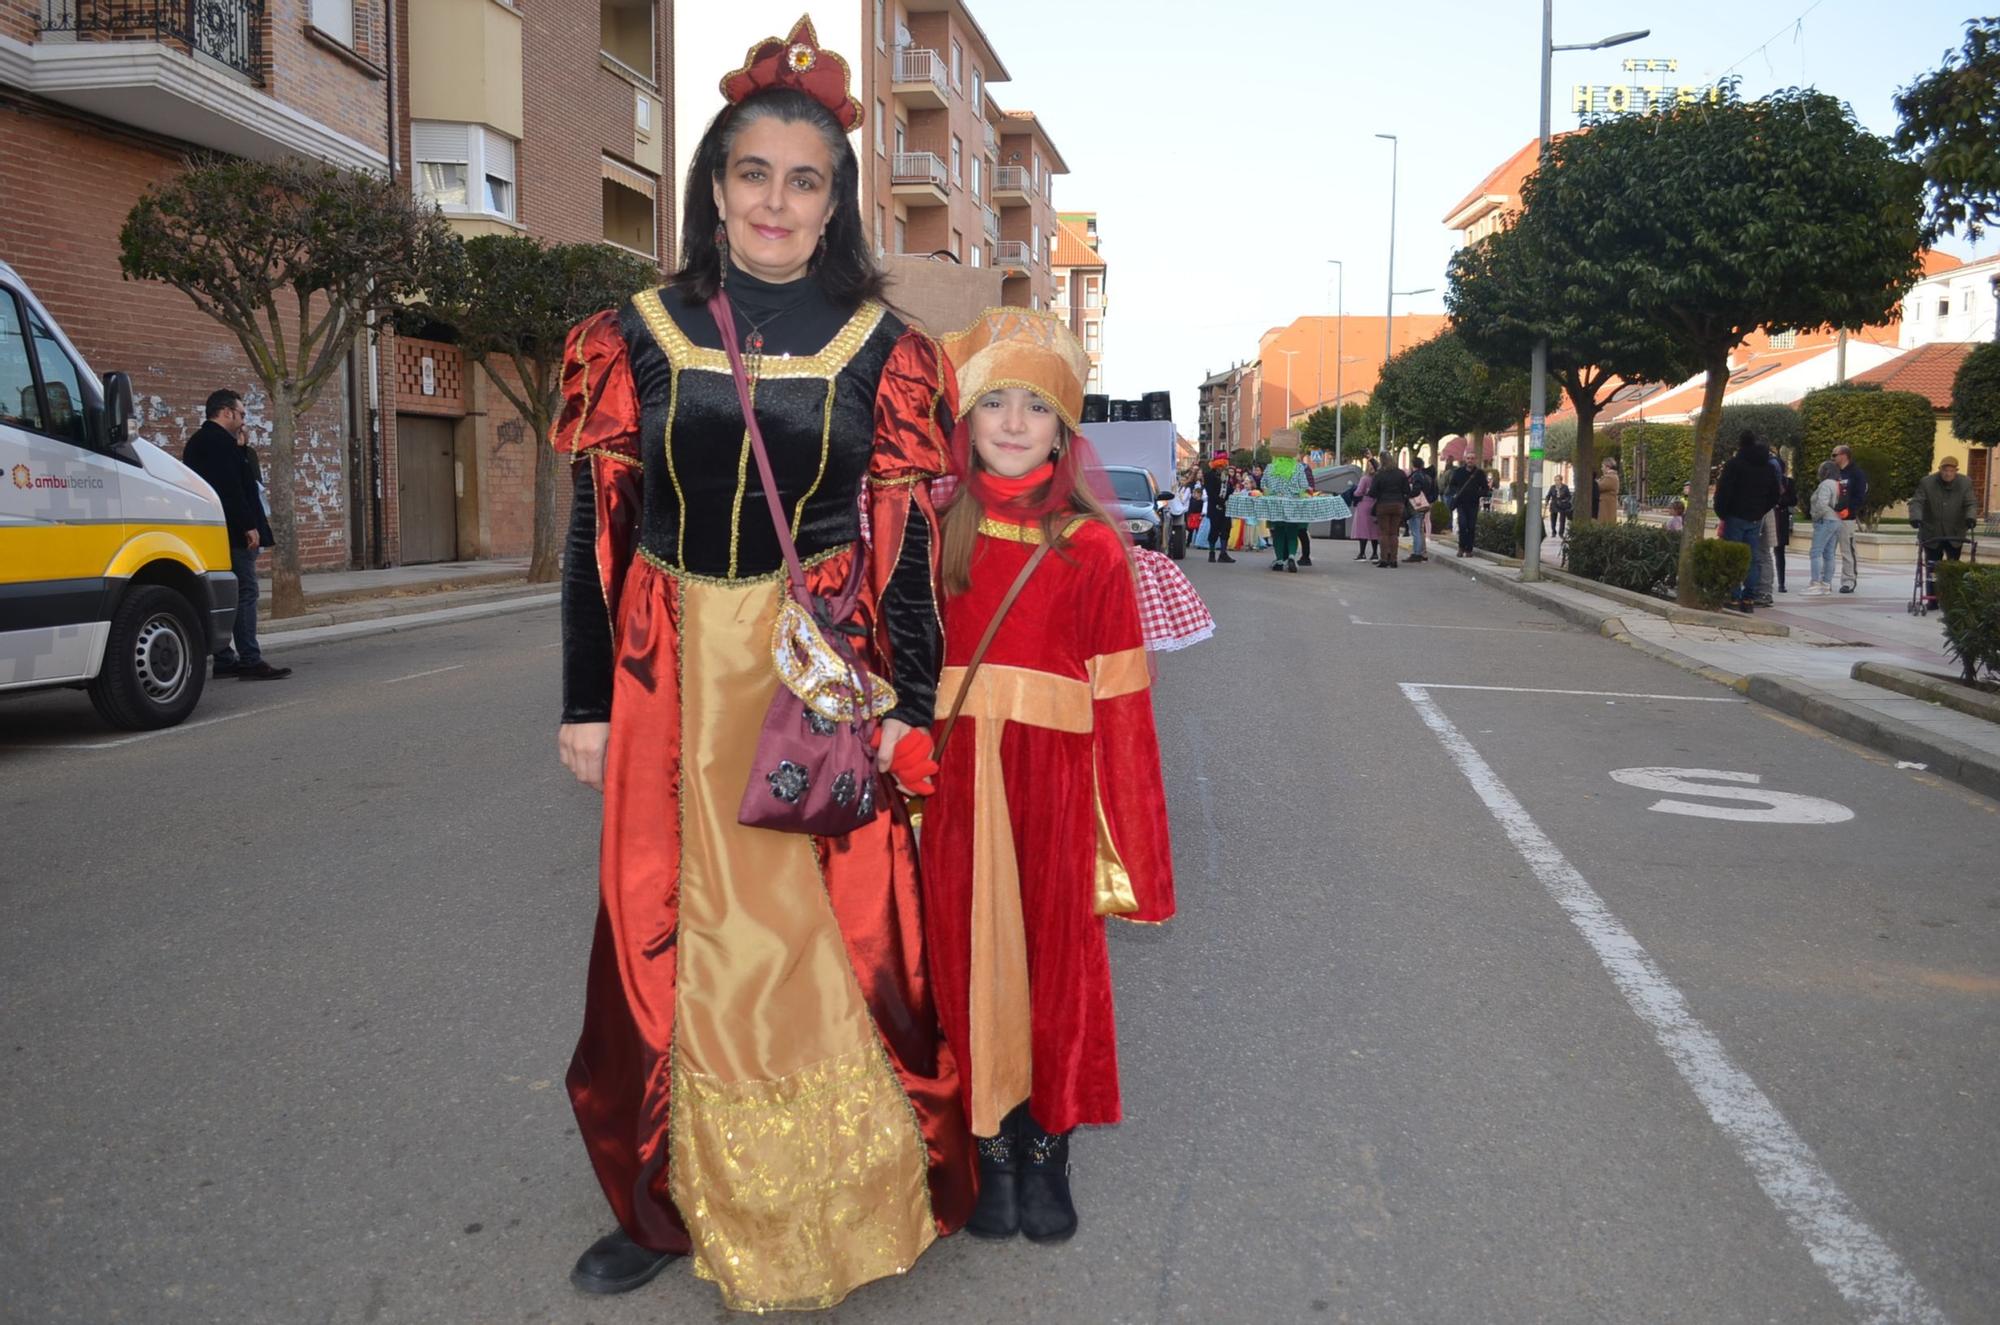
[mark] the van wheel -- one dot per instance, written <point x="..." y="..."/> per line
<point x="1177" y="543"/>
<point x="155" y="662"/>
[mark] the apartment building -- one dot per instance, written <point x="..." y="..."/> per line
<point x="1082" y="294"/>
<point x="100" y="99"/>
<point x="550" y="120"/>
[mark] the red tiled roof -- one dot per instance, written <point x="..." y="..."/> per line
<point x="1073" y="250"/>
<point x="1926" y="370"/>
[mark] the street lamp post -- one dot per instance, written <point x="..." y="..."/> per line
<point x="1339" y="344"/>
<point x="1289" y="356"/>
<point x="1538" y="363"/>
<point x="1389" y="312"/>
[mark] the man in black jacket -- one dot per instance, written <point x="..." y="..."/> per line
<point x="1215" y="487"/>
<point x="1745" y="492"/>
<point x="220" y="454"/>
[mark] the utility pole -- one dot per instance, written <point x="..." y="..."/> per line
<point x="1538" y="363"/>
<point x="1339" y="345"/>
<point x="1389" y="311"/>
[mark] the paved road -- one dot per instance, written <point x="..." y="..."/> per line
<point x="1452" y="1027"/>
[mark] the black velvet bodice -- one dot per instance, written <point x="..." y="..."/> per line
<point x="814" y="393"/>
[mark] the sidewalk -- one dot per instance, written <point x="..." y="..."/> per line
<point x="1807" y="674"/>
<point x="346" y="604"/>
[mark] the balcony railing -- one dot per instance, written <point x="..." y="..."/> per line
<point x="230" y="32"/>
<point x="992" y="138"/>
<point x="990" y="221"/>
<point x="915" y="65"/>
<point x="917" y="168"/>
<point x="1011" y="254"/>
<point x="1010" y="179"/>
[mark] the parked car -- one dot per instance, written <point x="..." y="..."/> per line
<point x="1139" y="504"/>
<point x="114" y="558"/>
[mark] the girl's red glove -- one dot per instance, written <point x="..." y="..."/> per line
<point x="911" y="765"/>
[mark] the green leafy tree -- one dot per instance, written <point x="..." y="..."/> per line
<point x="1559" y="441"/>
<point x="1951" y="127"/>
<point x="510" y="301"/>
<point x="1528" y="281"/>
<point x="294" y="258"/>
<point x="1440" y="386"/>
<point x="1890" y="432"/>
<point x="1317" y="428"/>
<point x="1975" y="397"/>
<point x="1780" y="427"/>
<point x="1782" y="214"/>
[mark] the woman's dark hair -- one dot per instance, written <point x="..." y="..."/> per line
<point x="846" y="269"/>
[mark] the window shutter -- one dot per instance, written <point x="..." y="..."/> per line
<point x="499" y="155"/>
<point x="431" y="140"/>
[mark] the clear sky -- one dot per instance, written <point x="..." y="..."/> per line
<point x="1229" y="149"/>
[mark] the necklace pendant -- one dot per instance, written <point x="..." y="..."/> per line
<point x="754" y="342"/>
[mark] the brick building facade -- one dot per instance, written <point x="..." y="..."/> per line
<point x="99" y="101"/>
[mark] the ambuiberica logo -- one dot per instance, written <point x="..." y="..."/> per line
<point x="25" y="477"/>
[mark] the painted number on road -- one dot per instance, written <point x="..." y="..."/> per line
<point x="1751" y="804"/>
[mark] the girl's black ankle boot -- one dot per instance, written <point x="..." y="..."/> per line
<point x="997" y="1214"/>
<point x="1047" y="1212"/>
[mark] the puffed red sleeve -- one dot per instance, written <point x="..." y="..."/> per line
<point x="1135" y="859"/>
<point x="599" y="430"/>
<point x="913" y="412"/>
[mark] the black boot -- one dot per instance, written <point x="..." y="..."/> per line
<point x="1047" y="1213"/>
<point x="616" y="1264"/>
<point x="998" y="1212"/>
<point x="1226" y="557"/>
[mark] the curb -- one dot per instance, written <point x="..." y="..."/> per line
<point x="1922" y="685"/>
<point x="1946" y="758"/>
<point x="413" y="620"/>
<point x="382" y="606"/>
<point x="1949" y="759"/>
<point x="475" y="579"/>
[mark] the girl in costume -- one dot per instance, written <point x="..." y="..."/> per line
<point x="760" y="1082"/>
<point x="1050" y="812"/>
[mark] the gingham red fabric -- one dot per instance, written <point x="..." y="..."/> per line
<point x="1171" y="614"/>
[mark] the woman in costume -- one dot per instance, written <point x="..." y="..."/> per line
<point x="760" y="1081"/>
<point x="1050" y="813"/>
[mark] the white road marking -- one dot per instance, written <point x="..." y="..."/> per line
<point x="1496" y="630"/>
<point x="1771" y="807"/>
<point x="1860" y="1265"/>
<point x="1603" y="694"/>
<point x="164" y="731"/>
<point x="414" y="675"/>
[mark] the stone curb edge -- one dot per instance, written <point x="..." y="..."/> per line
<point x="384" y="607"/>
<point x="1919" y="685"/>
<point x="1674" y="612"/>
<point x="1948" y="759"/>
<point x="414" y="620"/>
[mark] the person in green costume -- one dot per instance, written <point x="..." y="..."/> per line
<point x="1286" y="476"/>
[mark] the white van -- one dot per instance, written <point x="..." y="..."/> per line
<point x="114" y="558"/>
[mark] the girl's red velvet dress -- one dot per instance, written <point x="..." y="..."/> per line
<point x="1050" y="815"/>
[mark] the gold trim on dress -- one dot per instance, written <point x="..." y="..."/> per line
<point x="660" y="563"/>
<point x="828" y="362"/>
<point x="825" y="449"/>
<point x="633" y="461"/>
<point x="1125" y="672"/>
<point x="673" y="474"/>
<point x="1025" y="533"/>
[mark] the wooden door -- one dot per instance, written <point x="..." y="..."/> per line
<point x="425" y="488"/>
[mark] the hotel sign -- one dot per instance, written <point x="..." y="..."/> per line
<point x="1651" y="88"/>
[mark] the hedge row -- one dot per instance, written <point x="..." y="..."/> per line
<point x="1890" y="432"/>
<point x="1662" y="452"/>
<point x="1642" y="558"/>
<point x="1969" y="597"/>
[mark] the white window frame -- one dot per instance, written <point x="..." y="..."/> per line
<point x="978" y="92"/>
<point x="978" y="259"/>
<point x="881" y="126"/>
<point x="881" y="29"/>
<point x="335" y="18"/>
<point x="978" y="182"/>
<point x="482" y="151"/>
<point x="957" y="65"/>
<point x="1035" y="243"/>
<point x="957" y="159"/>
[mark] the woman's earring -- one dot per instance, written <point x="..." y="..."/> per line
<point x="722" y="253"/>
<point x="819" y="251"/>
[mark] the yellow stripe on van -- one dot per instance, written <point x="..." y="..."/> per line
<point x="117" y="551"/>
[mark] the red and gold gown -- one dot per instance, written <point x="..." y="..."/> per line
<point x="760" y="1080"/>
<point x="1050" y="814"/>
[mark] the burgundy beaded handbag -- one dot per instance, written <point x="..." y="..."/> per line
<point x="814" y="769"/>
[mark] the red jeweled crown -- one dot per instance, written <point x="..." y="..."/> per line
<point x="796" y="61"/>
